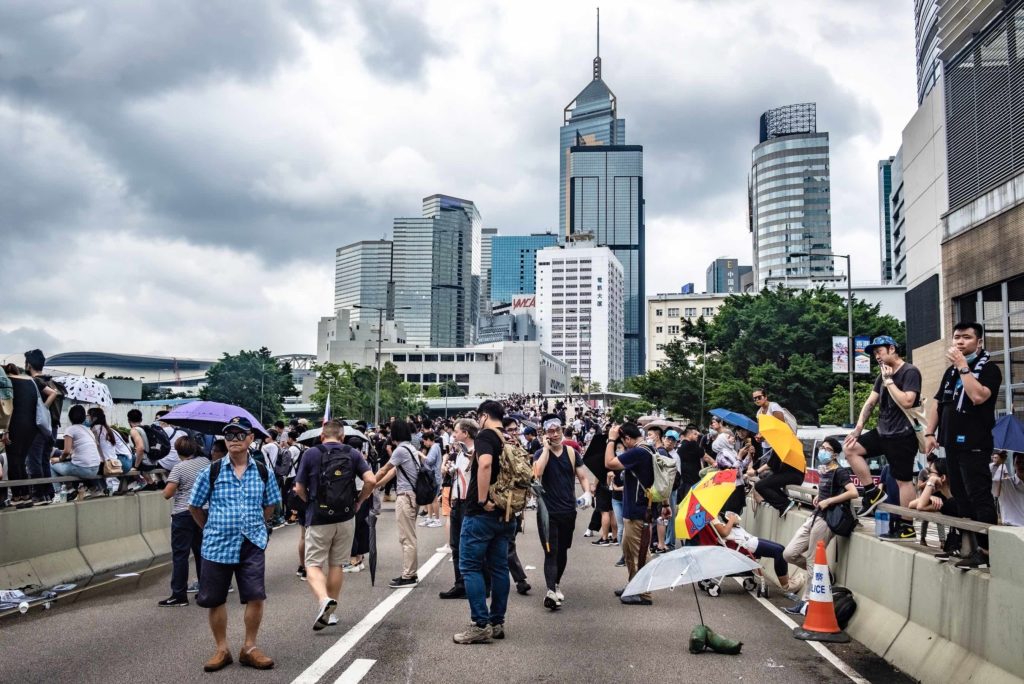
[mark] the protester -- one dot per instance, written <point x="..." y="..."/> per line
<point x="637" y="460"/>
<point x="326" y="481"/>
<point x="465" y="434"/>
<point x="897" y="389"/>
<point x="186" y="535"/>
<point x="235" y="536"/>
<point x="835" y="488"/>
<point x="558" y="467"/>
<point x="691" y="458"/>
<point x="936" y="495"/>
<point x="37" y="462"/>
<point x="962" y="417"/>
<point x="727" y="524"/>
<point x="24" y="439"/>
<point x="515" y="566"/>
<point x="433" y="463"/>
<point x="80" y="456"/>
<point x="485" y="534"/>
<point x="403" y="467"/>
<point x="1008" y="488"/>
<point x="726" y="458"/>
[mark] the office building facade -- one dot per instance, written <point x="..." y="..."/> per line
<point x="363" y="277"/>
<point x="725" y="275"/>
<point x="437" y="272"/>
<point x="666" y="315"/>
<point x="885" y="219"/>
<point x="513" y="264"/>
<point x="789" y="198"/>
<point x="487" y="236"/>
<point x="580" y="309"/>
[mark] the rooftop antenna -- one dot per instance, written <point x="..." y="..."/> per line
<point x="597" y="60"/>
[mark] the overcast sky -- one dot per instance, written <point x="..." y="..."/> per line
<point x="175" y="177"/>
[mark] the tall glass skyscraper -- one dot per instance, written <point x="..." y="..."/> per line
<point x="789" y="198"/>
<point x="487" y="235"/>
<point x="362" y="275"/>
<point x="601" y="193"/>
<point x="514" y="264"/>
<point x="885" y="217"/>
<point x="437" y="272"/>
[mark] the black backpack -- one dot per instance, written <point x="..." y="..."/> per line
<point x="336" y="487"/>
<point x="424" y="486"/>
<point x="283" y="468"/>
<point x="844" y="605"/>
<point x="158" y="441"/>
<point x="215" y="469"/>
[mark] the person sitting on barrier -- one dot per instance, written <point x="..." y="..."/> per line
<point x="186" y="535"/>
<point x="727" y="524"/>
<point x="835" y="488"/>
<point x="81" y="455"/>
<point x="727" y="457"/>
<point x="1008" y="488"/>
<point x="935" y="495"/>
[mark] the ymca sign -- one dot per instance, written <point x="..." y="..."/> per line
<point x="523" y="303"/>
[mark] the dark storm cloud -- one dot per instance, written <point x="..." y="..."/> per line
<point x="398" y="41"/>
<point x="15" y="342"/>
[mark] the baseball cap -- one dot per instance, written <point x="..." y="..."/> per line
<point x="238" y="423"/>
<point x="672" y="434"/>
<point x="880" y="341"/>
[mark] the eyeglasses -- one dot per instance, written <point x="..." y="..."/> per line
<point x="758" y="398"/>
<point x="235" y="436"/>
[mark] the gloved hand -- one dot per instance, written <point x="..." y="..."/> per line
<point x="585" y="501"/>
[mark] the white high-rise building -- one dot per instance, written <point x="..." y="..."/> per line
<point x="580" y="309"/>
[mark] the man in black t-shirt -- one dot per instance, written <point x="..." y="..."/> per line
<point x="962" y="422"/>
<point x="485" y="534"/>
<point x="897" y="381"/>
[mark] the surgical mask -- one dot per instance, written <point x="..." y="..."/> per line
<point x="970" y="357"/>
<point x="825" y="457"/>
<point x="87" y="423"/>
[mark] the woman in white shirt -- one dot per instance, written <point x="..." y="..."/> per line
<point x="728" y="527"/>
<point x="81" y="454"/>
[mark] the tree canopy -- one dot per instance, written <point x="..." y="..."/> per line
<point x="252" y="380"/>
<point x="352" y="389"/>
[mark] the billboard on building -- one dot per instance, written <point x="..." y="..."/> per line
<point x="525" y="303"/>
<point x="840" y="354"/>
<point x="861" y="359"/>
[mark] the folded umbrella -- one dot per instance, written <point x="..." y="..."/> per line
<point x="782" y="440"/>
<point x="736" y="419"/>
<point x="543" y="517"/>
<point x="1008" y="434"/>
<point x="209" y="417"/>
<point x="371" y="522"/>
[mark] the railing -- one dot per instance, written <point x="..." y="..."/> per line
<point x="132" y="474"/>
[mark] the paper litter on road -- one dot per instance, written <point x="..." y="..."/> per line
<point x="64" y="587"/>
<point x="128" y="574"/>
<point x="12" y="595"/>
<point x="529" y="567"/>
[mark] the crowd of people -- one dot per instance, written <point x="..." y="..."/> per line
<point x="466" y="473"/>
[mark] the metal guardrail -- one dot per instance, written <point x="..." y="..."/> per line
<point x="7" y="484"/>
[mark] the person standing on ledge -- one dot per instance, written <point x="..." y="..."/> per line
<point x="241" y="495"/>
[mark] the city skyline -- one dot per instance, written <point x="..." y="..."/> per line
<point x="181" y="157"/>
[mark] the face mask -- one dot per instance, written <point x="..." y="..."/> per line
<point x="87" y="423"/>
<point x="824" y="456"/>
<point x="970" y="357"/>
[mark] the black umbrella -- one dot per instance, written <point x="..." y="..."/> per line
<point x="593" y="457"/>
<point x="371" y="521"/>
<point x="543" y="518"/>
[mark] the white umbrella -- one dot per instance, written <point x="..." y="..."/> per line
<point x="86" y="390"/>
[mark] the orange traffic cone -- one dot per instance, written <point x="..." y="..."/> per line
<point x="820" y="623"/>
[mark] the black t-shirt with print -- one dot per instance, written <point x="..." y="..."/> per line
<point x="486" y="442"/>
<point x="892" y="422"/>
<point x="971" y="428"/>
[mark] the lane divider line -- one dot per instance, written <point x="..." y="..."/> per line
<point x="333" y="655"/>
<point x="828" y="655"/>
<point x="355" y="672"/>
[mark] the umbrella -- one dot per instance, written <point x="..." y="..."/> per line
<point x="663" y="424"/>
<point x="371" y="522"/>
<point x="733" y="418"/>
<point x="593" y="457"/>
<point x="688" y="565"/>
<point x="86" y="390"/>
<point x="644" y="420"/>
<point x="543" y="518"/>
<point x="1008" y="435"/>
<point x="691" y="517"/>
<point x="209" y="417"/>
<point x="714" y="490"/>
<point x="312" y="435"/>
<point x="782" y="440"/>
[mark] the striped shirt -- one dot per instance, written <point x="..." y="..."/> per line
<point x="184" y="474"/>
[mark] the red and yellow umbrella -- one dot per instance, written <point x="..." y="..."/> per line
<point x="704" y="502"/>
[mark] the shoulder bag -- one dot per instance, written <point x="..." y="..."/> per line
<point x="111" y="466"/>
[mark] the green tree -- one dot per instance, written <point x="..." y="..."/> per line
<point x="352" y="390"/>
<point x="449" y="388"/>
<point x="577" y="385"/>
<point x="630" y="409"/>
<point x="836" y="410"/>
<point x="252" y="380"/>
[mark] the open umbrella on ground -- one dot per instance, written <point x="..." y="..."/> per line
<point x="1008" y="434"/>
<point x="371" y="522"/>
<point x="782" y="440"/>
<point x="704" y="501"/>
<point x="736" y="419"/>
<point x="688" y="565"/>
<point x="85" y="390"/>
<point x="209" y="417"/>
<point x="311" y="436"/>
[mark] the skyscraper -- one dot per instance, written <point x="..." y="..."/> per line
<point x="725" y="275"/>
<point x="437" y="272"/>
<point x="601" y="195"/>
<point x="514" y="263"/>
<point x="789" y="198"/>
<point x="885" y="218"/>
<point x="487" y="235"/>
<point x="362" y="276"/>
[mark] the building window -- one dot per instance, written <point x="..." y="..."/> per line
<point x="658" y="329"/>
<point x="707" y="311"/>
<point x="398" y="357"/>
<point x="416" y="358"/>
<point x="690" y="311"/>
<point x="659" y="312"/>
<point x="659" y="347"/>
<point x="673" y="312"/>
<point x="673" y="330"/>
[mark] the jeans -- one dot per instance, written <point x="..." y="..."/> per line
<point x="455" y="535"/>
<point x="484" y="545"/>
<point x="37" y="464"/>
<point x="561" y="527"/>
<point x="773" y="487"/>
<point x="69" y="469"/>
<point x="617" y="510"/>
<point x="670" y="533"/>
<point x="971" y="481"/>
<point x="515" y="566"/>
<point x="185" y="536"/>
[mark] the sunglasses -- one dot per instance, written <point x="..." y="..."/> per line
<point x="235" y="436"/>
<point x="758" y="398"/>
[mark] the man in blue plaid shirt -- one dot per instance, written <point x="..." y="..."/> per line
<point x="241" y="499"/>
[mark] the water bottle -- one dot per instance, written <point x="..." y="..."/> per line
<point x="881" y="523"/>
<point x="63" y="493"/>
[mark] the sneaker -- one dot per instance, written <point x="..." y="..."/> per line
<point x="333" y="620"/>
<point x="872" y="497"/>
<point x="621" y="563"/>
<point x="523" y="588"/>
<point x="498" y="631"/>
<point x="404" y="582"/>
<point x="550" y="600"/>
<point x="435" y="522"/>
<point x="600" y="542"/>
<point x="618" y="592"/>
<point x="422" y="522"/>
<point x="301" y="573"/>
<point x="193" y="588"/>
<point x="559" y="596"/>
<point x="635" y="600"/>
<point x="456" y="592"/>
<point x="358" y="567"/>
<point x="172" y="603"/>
<point x="444" y="549"/>
<point x="658" y="552"/>
<point x="327" y="607"/>
<point x="976" y="559"/>
<point x="474" y="634"/>
<point x="798" y="608"/>
<point x="588" y="533"/>
<point x="788" y="508"/>
<point x="906" y="533"/>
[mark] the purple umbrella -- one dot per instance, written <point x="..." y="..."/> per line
<point x="209" y="417"/>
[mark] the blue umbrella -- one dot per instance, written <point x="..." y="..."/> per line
<point x="1008" y="434"/>
<point x="737" y="419"/>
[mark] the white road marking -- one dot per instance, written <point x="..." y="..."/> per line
<point x="333" y="655"/>
<point x="355" y="672"/>
<point x="828" y="655"/>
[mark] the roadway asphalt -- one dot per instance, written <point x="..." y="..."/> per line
<point x="125" y="637"/>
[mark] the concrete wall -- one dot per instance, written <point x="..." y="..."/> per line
<point x="59" y="543"/>
<point x="934" y="622"/>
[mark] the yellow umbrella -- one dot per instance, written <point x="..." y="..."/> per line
<point x="704" y="502"/>
<point x="782" y="440"/>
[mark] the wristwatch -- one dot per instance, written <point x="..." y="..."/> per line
<point x="964" y="371"/>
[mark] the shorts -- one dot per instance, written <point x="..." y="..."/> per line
<point x="603" y="500"/>
<point x="215" y="579"/>
<point x="329" y="544"/>
<point x="446" y="501"/>
<point x="900" y="452"/>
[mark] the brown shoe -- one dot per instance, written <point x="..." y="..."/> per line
<point x="218" y="661"/>
<point x="255" y="658"/>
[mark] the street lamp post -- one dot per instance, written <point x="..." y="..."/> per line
<point x="380" y="338"/>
